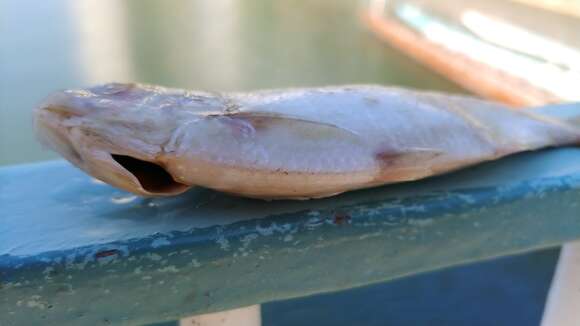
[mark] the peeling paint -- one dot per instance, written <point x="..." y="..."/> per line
<point x="123" y="199"/>
<point x="195" y="263"/>
<point x="36" y="302"/>
<point x="247" y="239"/>
<point x="370" y="235"/>
<point x="168" y="269"/>
<point x="223" y="243"/>
<point x="265" y="231"/>
<point x="313" y="223"/>
<point x="111" y="247"/>
<point x="154" y="257"/>
<point x="159" y="242"/>
<point x="421" y="222"/>
<point x="467" y="198"/>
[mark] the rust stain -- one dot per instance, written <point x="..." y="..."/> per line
<point x="341" y="218"/>
<point x="107" y="253"/>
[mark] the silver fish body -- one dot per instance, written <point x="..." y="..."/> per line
<point x="290" y="144"/>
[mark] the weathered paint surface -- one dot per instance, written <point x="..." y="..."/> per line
<point x="76" y="251"/>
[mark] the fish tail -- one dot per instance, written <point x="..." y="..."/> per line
<point x="565" y="112"/>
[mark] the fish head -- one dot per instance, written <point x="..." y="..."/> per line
<point x="154" y="141"/>
<point x="117" y="132"/>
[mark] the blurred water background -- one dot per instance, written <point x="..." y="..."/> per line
<point x="221" y="45"/>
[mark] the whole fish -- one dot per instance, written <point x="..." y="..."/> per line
<point x="282" y="144"/>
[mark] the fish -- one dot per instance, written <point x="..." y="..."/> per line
<point x="299" y="143"/>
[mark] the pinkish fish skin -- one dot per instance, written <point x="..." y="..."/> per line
<point x="282" y="144"/>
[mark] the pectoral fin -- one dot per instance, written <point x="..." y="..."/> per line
<point x="303" y="129"/>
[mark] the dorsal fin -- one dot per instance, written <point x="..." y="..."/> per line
<point x="261" y="121"/>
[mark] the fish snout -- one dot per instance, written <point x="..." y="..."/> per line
<point x="69" y="103"/>
<point x="123" y="168"/>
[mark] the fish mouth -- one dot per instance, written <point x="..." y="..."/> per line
<point x="152" y="177"/>
<point x="122" y="168"/>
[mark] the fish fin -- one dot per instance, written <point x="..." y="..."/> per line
<point x="410" y="164"/>
<point x="407" y="158"/>
<point x="284" y="118"/>
<point x="297" y="126"/>
<point x="567" y="112"/>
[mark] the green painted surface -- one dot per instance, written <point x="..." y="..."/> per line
<point x="95" y="255"/>
<point x="501" y="292"/>
<point x="215" y="45"/>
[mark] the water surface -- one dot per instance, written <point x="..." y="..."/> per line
<point x="215" y="45"/>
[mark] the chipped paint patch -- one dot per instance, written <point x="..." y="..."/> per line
<point x="313" y="213"/>
<point x="273" y="228"/>
<point x="159" y="242"/>
<point x="153" y="257"/>
<point x="370" y="235"/>
<point x="223" y="242"/>
<point x="36" y="302"/>
<point x="313" y="223"/>
<point x="168" y="269"/>
<point x="247" y="239"/>
<point x="265" y="231"/>
<point x="421" y="222"/>
<point x="195" y="263"/>
<point x="466" y="198"/>
<point x="120" y="200"/>
<point x="48" y="272"/>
